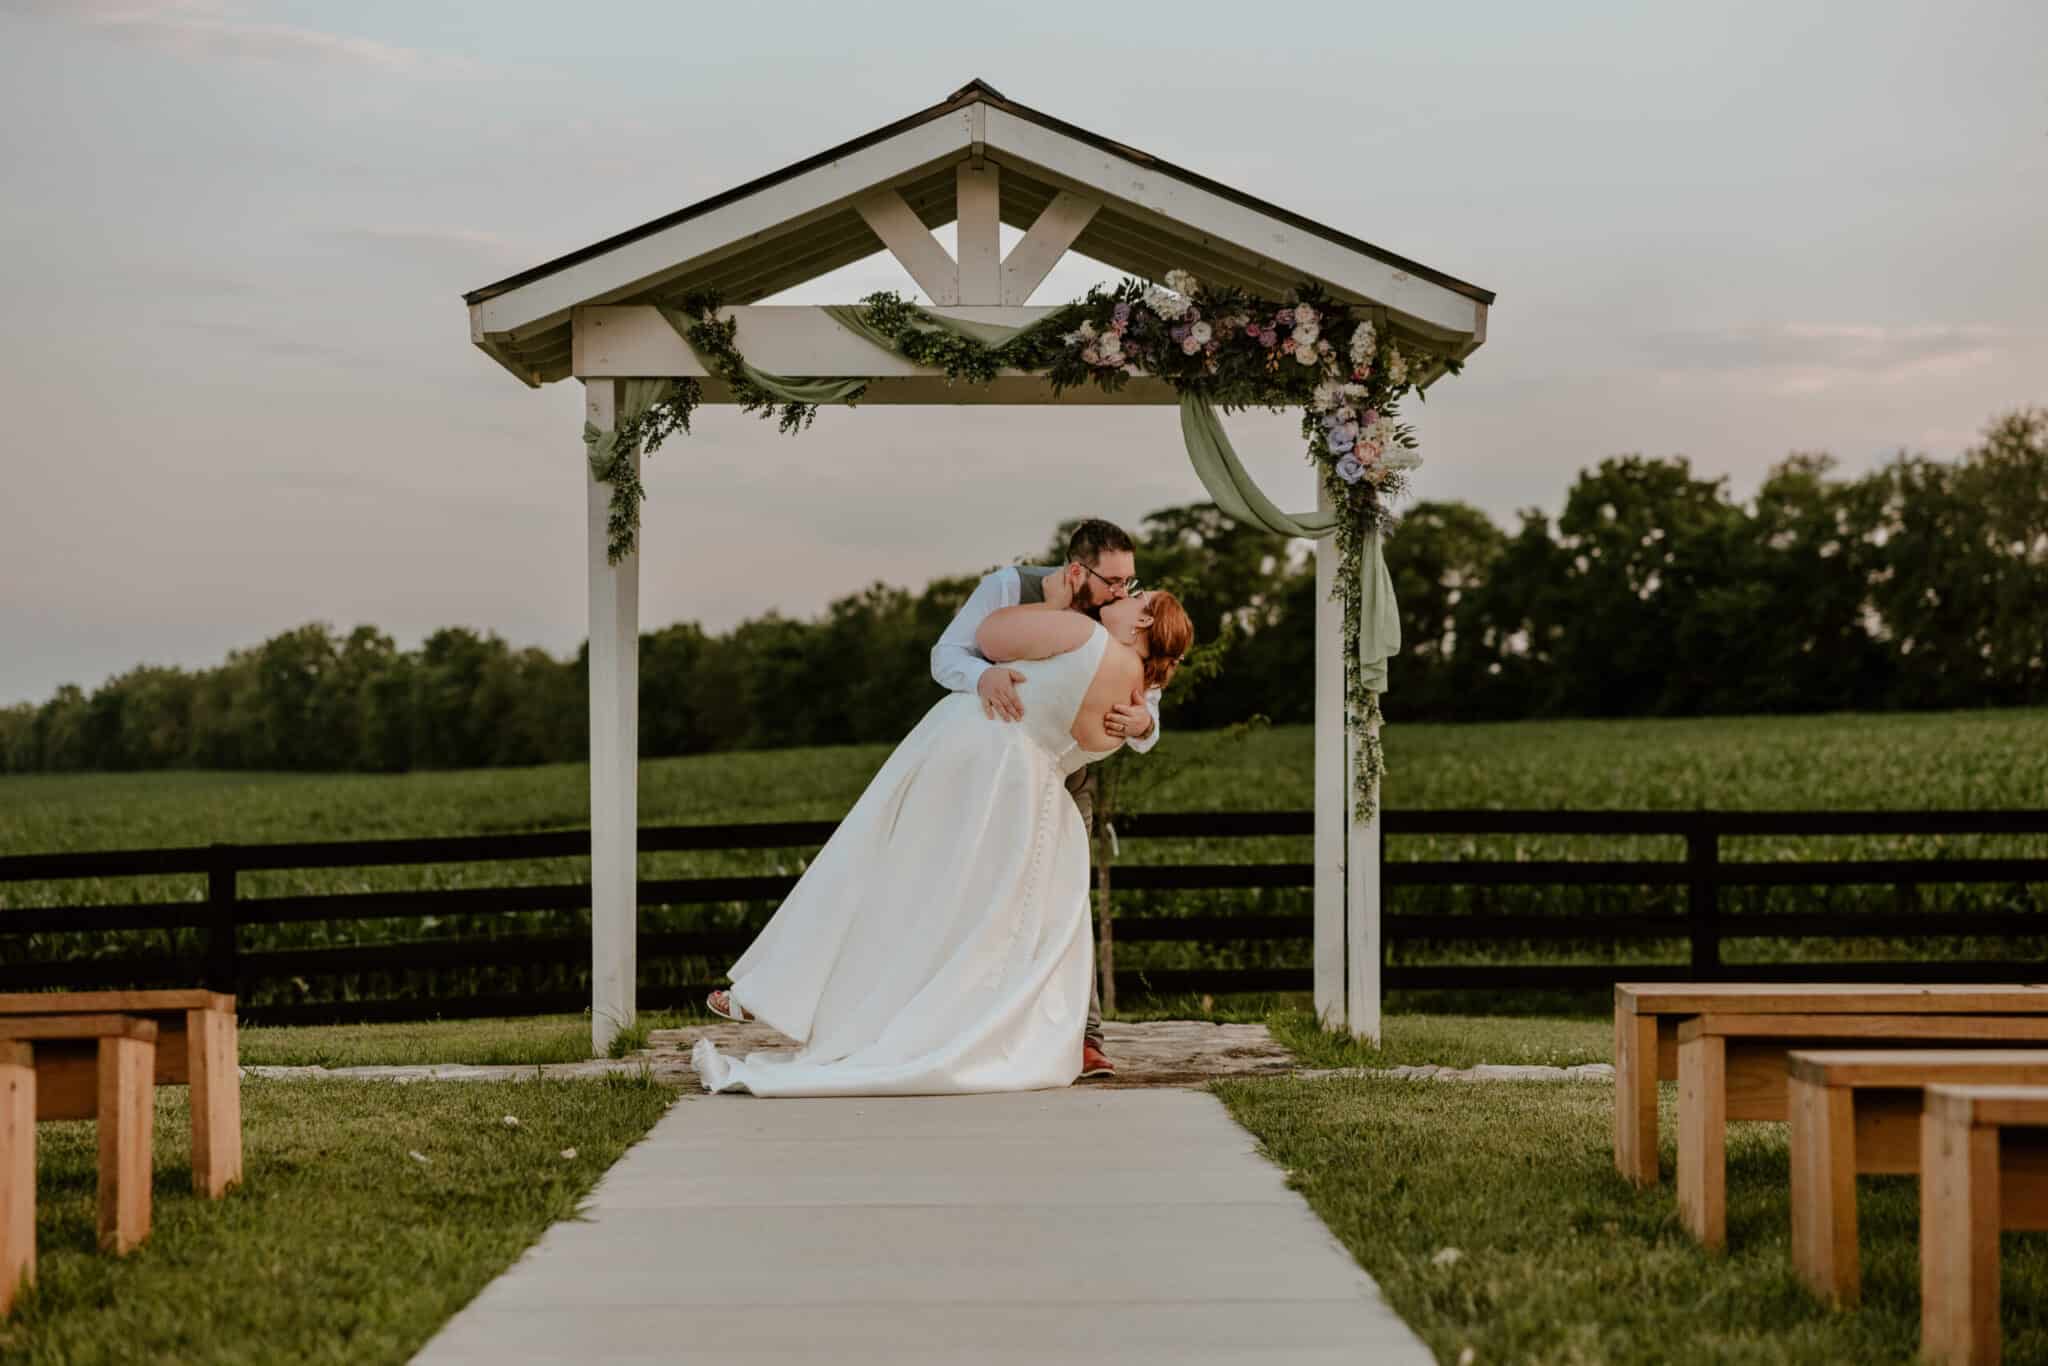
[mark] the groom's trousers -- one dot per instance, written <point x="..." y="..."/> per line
<point x="1081" y="785"/>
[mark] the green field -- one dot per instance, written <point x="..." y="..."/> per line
<point x="1984" y="759"/>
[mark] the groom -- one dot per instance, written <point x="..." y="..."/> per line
<point x="1101" y="567"/>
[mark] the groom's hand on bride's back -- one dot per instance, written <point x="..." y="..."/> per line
<point x="998" y="689"/>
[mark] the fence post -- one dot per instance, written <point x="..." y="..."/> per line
<point x="1703" y="902"/>
<point x="222" y="950"/>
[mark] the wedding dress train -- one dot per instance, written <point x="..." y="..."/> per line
<point x="939" y="943"/>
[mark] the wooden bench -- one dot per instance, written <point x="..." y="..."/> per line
<point x="1970" y="1188"/>
<point x="1858" y="1111"/>
<point x="197" y="1045"/>
<point x="1647" y="1016"/>
<point x="1734" y="1067"/>
<point x="120" y="1052"/>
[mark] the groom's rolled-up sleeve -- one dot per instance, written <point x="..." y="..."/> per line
<point x="957" y="663"/>
<point x="1151" y="737"/>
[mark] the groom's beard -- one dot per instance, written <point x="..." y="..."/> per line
<point x="1087" y="604"/>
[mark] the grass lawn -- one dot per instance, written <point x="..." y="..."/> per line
<point x="1560" y="1261"/>
<point x="529" y="1039"/>
<point x="340" y="1246"/>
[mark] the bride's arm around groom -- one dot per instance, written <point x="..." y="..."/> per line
<point x="958" y="665"/>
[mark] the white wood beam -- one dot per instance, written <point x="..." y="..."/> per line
<point x="980" y="228"/>
<point x="912" y="244"/>
<point x="729" y="229"/>
<point x="627" y="340"/>
<point x="1332" y="775"/>
<point x="1169" y="203"/>
<point x="614" y="750"/>
<point x="1040" y="249"/>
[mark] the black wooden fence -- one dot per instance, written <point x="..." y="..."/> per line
<point x="224" y="962"/>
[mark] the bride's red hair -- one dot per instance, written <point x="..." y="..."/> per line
<point x="1168" y="638"/>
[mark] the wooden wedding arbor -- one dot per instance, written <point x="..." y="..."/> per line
<point x="981" y="161"/>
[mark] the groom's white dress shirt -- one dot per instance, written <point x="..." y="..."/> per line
<point x="957" y="664"/>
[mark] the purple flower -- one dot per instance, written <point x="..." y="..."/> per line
<point x="1122" y="313"/>
<point x="1341" y="441"/>
<point x="1268" y="337"/>
<point x="1349" y="470"/>
<point x="1179" y="332"/>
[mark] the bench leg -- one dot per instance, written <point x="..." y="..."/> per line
<point x="1959" y="1222"/>
<point x="215" y="1068"/>
<point x="1702" y="1139"/>
<point x="1824" y="1254"/>
<point x="17" y="1171"/>
<point x="1635" y="1096"/>
<point x="127" y="1114"/>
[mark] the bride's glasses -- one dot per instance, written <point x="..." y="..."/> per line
<point x="1129" y="585"/>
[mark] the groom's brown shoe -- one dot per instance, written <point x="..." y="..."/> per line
<point x="1095" y="1063"/>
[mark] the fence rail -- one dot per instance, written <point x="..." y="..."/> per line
<point x="1703" y="873"/>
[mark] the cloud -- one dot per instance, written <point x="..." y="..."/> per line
<point x="208" y="29"/>
<point x="1813" y="358"/>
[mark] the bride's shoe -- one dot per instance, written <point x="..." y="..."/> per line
<point x="721" y="1004"/>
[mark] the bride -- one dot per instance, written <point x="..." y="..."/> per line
<point x="940" y="941"/>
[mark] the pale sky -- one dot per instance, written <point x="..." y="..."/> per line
<point x="240" y="395"/>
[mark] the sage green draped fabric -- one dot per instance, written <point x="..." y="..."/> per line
<point x="788" y="390"/>
<point x="636" y="396"/>
<point x="1230" y="485"/>
<point x="854" y="319"/>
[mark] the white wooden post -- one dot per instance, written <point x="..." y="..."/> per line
<point x="979" y="229"/>
<point x="1362" y="919"/>
<point x="1331" y="776"/>
<point x="1347" y="854"/>
<point x="614" y="752"/>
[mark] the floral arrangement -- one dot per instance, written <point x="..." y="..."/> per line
<point x="1320" y="355"/>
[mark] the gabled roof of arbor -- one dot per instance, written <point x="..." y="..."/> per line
<point x="800" y="222"/>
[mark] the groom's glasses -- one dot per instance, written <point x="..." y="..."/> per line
<point x="1129" y="585"/>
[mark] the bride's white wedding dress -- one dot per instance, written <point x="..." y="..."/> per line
<point x="939" y="943"/>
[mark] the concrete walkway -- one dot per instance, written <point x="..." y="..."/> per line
<point x="1126" y="1226"/>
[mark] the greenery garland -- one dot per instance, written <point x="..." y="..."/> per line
<point x="1312" y="352"/>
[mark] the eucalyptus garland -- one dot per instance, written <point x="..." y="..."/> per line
<point x="1312" y="352"/>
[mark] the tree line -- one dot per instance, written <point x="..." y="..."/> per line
<point x="1922" y="584"/>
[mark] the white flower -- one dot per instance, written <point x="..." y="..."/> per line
<point x="1305" y="314"/>
<point x="1182" y="281"/>
<point x="421" y="1158"/>
<point x="1363" y="342"/>
<point x="1401" y="458"/>
<point x="1190" y="346"/>
<point x="1345" y="412"/>
<point x="1201" y="332"/>
<point x="1305" y="334"/>
<point x="1087" y="330"/>
<point x="1166" y="304"/>
<point x="1306" y="355"/>
<point x="1397" y="367"/>
<point x="568" y="1154"/>
<point x="1325" y="396"/>
<point x="510" y="1121"/>
<point x="1353" y="391"/>
<point x="1446" y="1256"/>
